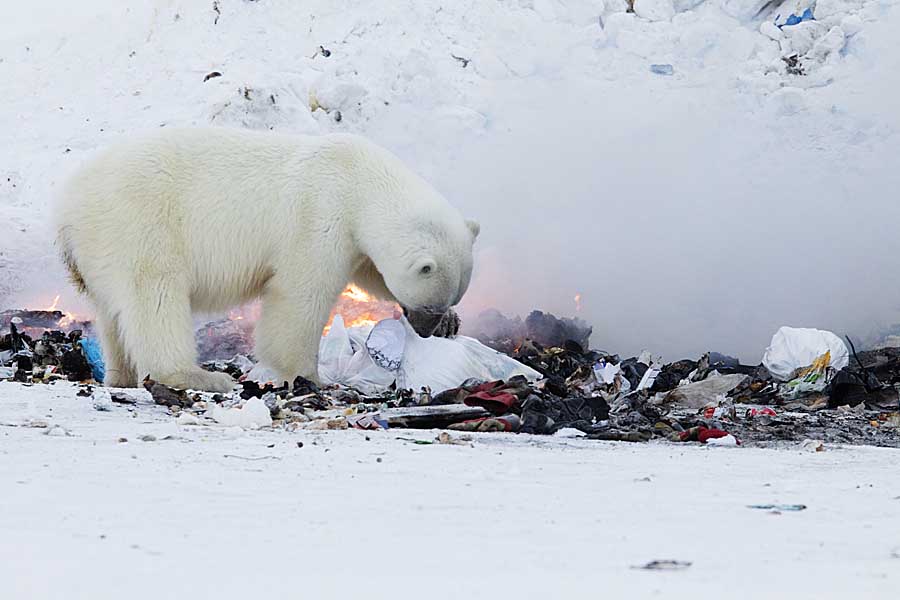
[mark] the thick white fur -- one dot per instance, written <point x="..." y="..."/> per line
<point x="205" y="219"/>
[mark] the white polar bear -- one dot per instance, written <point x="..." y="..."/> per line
<point x="205" y="219"/>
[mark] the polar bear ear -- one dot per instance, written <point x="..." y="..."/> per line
<point x="474" y="227"/>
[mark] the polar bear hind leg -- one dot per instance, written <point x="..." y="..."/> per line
<point x="156" y="328"/>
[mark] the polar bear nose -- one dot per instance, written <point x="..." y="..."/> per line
<point x="423" y="322"/>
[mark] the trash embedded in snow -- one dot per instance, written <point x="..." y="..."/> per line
<point x="793" y="12"/>
<point x="252" y="415"/>
<point x="812" y="446"/>
<point x="384" y="376"/>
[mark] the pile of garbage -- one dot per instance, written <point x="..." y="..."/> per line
<point x="809" y="386"/>
<point x="54" y="355"/>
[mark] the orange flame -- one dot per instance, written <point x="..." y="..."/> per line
<point x="53" y="306"/>
<point x="577" y="302"/>
<point x="357" y="307"/>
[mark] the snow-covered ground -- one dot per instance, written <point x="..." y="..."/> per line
<point x="212" y="512"/>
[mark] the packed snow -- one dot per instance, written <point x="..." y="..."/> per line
<point x="123" y="501"/>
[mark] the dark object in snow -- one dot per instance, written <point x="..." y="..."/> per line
<point x="431" y="417"/>
<point x="338" y="116"/>
<point x="119" y="398"/>
<point x="793" y="65"/>
<point x="75" y="366"/>
<point x="664" y="565"/>
<point x="778" y="507"/>
<point x="211" y="75"/>
<point x="463" y="61"/>
<point x="165" y="395"/>
<point x="662" y="69"/>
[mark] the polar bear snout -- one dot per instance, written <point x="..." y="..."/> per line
<point x="424" y="322"/>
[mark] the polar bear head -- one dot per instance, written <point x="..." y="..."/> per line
<point x="431" y="270"/>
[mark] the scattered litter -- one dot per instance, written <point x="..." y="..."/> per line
<point x="812" y="446"/>
<point x="724" y="441"/>
<point x="252" y="415"/>
<point x="446" y="438"/>
<point x="252" y="458"/>
<point x="778" y="507"/>
<point x="665" y="69"/>
<point x="187" y="418"/>
<point x="698" y="394"/>
<point x="165" y="395"/>
<point x="569" y="432"/>
<point x="533" y="376"/>
<point x="58" y="431"/>
<point x="664" y="565"/>
<point x="415" y="441"/>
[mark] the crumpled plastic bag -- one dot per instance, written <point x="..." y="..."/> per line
<point x="346" y="358"/>
<point x="797" y="348"/>
<point x="814" y="378"/>
<point x="700" y="393"/>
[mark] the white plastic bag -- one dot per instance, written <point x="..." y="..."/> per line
<point x="413" y="362"/>
<point x="795" y="348"/>
<point x="442" y="363"/>
<point x="344" y="360"/>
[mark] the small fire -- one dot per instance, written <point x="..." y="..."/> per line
<point x="359" y="309"/>
<point x="577" y="302"/>
<point x="355" y="305"/>
<point x="53" y="306"/>
<point x="356" y="294"/>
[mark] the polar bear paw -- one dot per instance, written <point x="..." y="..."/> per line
<point x="201" y="380"/>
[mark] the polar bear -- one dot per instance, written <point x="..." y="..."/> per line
<point x="203" y="219"/>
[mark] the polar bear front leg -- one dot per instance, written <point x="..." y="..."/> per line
<point x="290" y="328"/>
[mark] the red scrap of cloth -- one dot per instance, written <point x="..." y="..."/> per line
<point x="701" y="434"/>
<point x="764" y="411"/>
<point x="497" y="402"/>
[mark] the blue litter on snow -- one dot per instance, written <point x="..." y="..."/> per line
<point x="794" y="19"/>
<point x="91" y="349"/>
<point x="662" y="69"/>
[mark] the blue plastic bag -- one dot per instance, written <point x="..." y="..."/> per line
<point x="807" y="15"/>
<point x="91" y="349"/>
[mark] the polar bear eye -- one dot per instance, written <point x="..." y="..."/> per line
<point x="425" y="270"/>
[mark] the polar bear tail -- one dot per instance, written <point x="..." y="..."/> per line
<point x="68" y="258"/>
